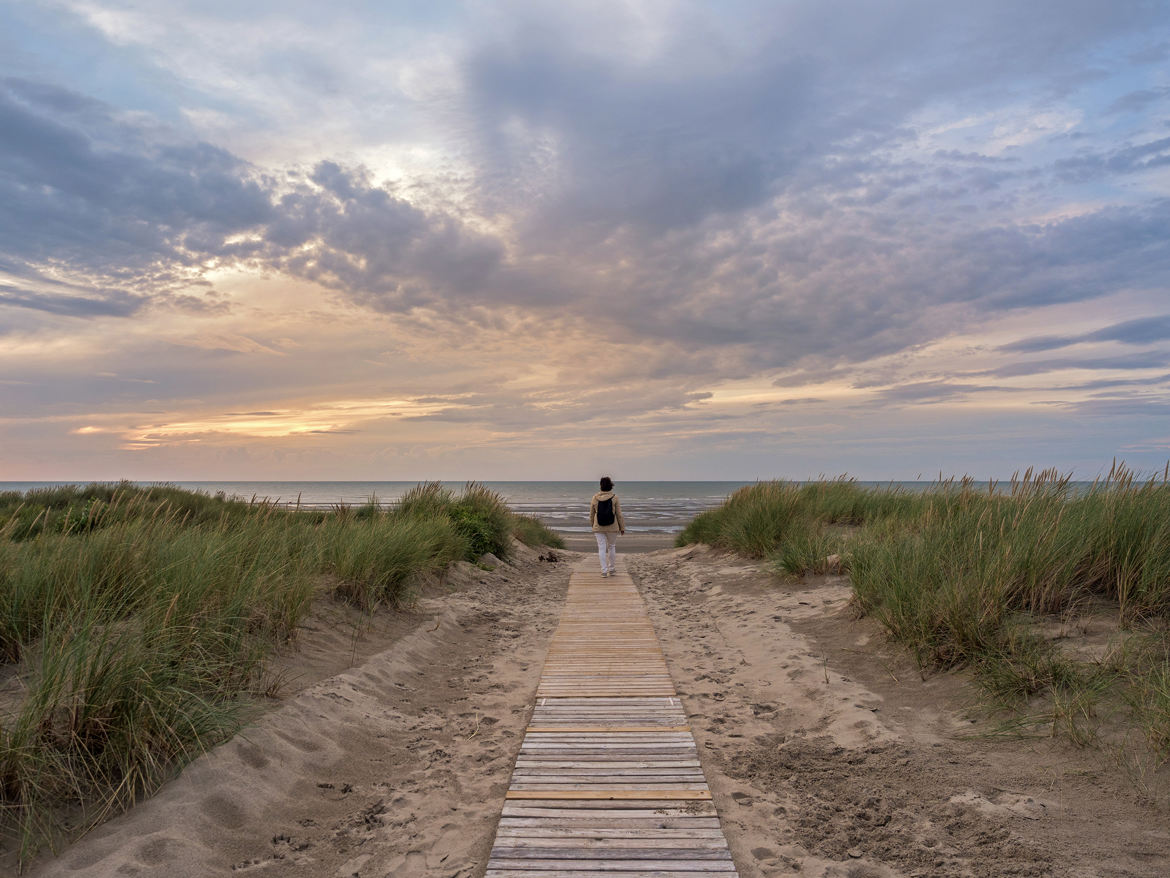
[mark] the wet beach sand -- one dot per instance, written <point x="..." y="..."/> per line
<point x="389" y="749"/>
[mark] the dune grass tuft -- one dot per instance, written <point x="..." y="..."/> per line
<point x="531" y="531"/>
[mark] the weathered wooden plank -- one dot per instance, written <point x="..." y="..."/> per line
<point x="569" y="818"/>
<point x="603" y="716"/>
<point x="592" y="873"/>
<point x="602" y="764"/>
<point x="674" y="854"/>
<point x="697" y="824"/>
<point x="607" y="707"/>
<point x="601" y="769"/>
<point x="615" y="734"/>
<point x="545" y="769"/>
<point x="631" y="842"/>
<point x="614" y="790"/>
<point x="654" y="704"/>
<point x="665" y="747"/>
<point x="606" y="756"/>
<point x="648" y="735"/>
<point x="601" y="833"/>
<point x="605" y="782"/>
<point x="549" y="771"/>
<point x="598" y="693"/>
<point x="613" y="865"/>
<point x="609" y="781"/>
<point x="612" y="817"/>
<point x="574" y="873"/>
<point x="548" y="758"/>
<point x="629" y="807"/>
<point x="616" y="753"/>
<point x="668" y="746"/>
<point x="608" y="794"/>
<point x="606" y="712"/>
<point x="680" y="782"/>
<point x="603" y="729"/>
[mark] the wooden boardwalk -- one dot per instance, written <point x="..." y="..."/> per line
<point x="608" y="782"/>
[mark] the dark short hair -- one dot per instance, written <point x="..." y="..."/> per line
<point x="606" y="483"/>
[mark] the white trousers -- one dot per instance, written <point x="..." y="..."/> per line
<point x="606" y="550"/>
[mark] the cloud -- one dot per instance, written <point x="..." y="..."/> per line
<point x="117" y="304"/>
<point x="1092" y="165"/>
<point x="726" y="111"/>
<point x="1137" y="101"/>
<point x="1143" y="407"/>
<point x="110" y="199"/>
<point x="929" y="392"/>
<point x="1142" y="330"/>
<point x="1128" y="362"/>
<point x="752" y="229"/>
<point x="1109" y="383"/>
<point x="347" y="233"/>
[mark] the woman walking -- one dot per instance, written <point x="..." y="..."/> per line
<point x="605" y="517"/>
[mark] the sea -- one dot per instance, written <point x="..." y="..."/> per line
<point x="648" y="507"/>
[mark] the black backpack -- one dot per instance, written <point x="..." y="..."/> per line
<point x="605" y="511"/>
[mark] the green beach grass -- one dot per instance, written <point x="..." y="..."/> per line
<point x="135" y="621"/>
<point x="969" y="575"/>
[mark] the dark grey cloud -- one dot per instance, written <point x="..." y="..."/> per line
<point x="804" y="400"/>
<point x="347" y="233"/>
<point x="1143" y="330"/>
<point x="1154" y="360"/>
<point x="1112" y="383"/>
<point x="112" y="200"/>
<point x="521" y="411"/>
<point x="1139" y="100"/>
<point x="1130" y="159"/>
<point x="83" y="187"/>
<point x="118" y="304"/>
<point x="928" y="392"/>
<point x="710" y="126"/>
<point x="1122" y="407"/>
<point x="1152" y="54"/>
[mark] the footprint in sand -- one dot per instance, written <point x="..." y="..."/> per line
<point x="159" y="850"/>
<point x="252" y="755"/>
<point x="223" y="811"/>
<point x="413" y="864"/>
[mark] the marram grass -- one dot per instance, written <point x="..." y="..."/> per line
<point x="135" y="618"/>
<point x="960" y="572"/>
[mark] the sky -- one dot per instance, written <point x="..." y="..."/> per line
<point x="530" y="240"/>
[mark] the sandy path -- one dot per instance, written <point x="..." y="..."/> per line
<point x="826" y="752"/>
